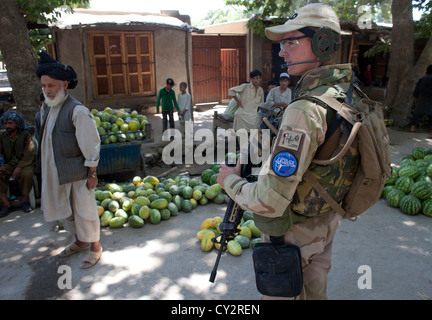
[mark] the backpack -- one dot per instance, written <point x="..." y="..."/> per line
<point x="369" y="131"/>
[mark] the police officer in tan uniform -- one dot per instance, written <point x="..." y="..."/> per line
<point x="282" y="202"/>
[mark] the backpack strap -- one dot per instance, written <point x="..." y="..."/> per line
<point x="327" y="101"/>
<point x="340" y="107"/>
<point x="309" y="178"/>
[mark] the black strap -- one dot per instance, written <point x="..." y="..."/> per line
<point x="277" y="239"/>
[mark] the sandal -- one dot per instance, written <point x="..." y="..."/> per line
<point x="91" y="259"/>
<point x="72" y="249"/>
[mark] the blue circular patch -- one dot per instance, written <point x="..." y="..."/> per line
<point x="284" y="164"/>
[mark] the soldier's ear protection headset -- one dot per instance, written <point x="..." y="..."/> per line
<point x="323" y="43"/>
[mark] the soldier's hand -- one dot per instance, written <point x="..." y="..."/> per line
<point x="225" y="171"/>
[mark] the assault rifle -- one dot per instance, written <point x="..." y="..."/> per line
<point x="234" y="212"/>
<point x="232" y="218"/>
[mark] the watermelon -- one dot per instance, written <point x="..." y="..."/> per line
<point x="409" y="171"/>
<point x="155" y="216"/>
<point x="213" y="179"/>
<point x="407" y="162"/>
<point x="206" y="174"/>
<point x="173" y="209"/>
<point x="385" y="191"/>
<point x="427" y="208"/>
<point x="395" y="175"/>
<point x="404" y="184"/>
<point x="187" y="192"/>
<point x="410" y="205"/>
<point x="165" y="214"/>
<point x="159" y="204"/>
<point x="429" y="170"/>
<point x="135" y="221"/>
<point x="215" y="167"/>
<point x="418" y="153"/>
<point x="117" y="222"/>
<point x="422" y="190"/>
<point x="186" y="205"/>
<point x="394" y="197"/>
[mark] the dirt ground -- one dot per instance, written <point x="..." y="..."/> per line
<point x="165" y="261"/>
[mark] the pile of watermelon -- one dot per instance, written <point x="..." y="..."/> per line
<point x="119" y="125"/>
<point x="151" y="200"/>
<point x="410" y="187"/>
<point x="247" y="236"/>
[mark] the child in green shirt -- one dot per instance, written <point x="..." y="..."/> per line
<point x="169" y="101"/>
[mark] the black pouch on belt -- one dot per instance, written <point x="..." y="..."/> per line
<point x="278" y="269"/>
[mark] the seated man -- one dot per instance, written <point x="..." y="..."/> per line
<point x="18" y="151"/>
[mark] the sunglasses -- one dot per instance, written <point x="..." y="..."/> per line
<point x="288" y="44"/>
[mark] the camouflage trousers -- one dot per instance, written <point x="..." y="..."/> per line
<point x="315" y="237"/>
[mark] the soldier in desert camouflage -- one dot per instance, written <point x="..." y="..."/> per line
<point x="282" y="202"/>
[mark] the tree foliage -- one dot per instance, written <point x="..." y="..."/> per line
<point x="45" y="11"/>
<point x="267" y="13"/>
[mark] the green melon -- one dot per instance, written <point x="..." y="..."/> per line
<point x="213" y="179"/>
<point x="409" y="171"/>
<point x="404" y="184"/>
<point x="410" y="205"/>
<point x="135" y="221"/>
<point x="394" y="197"/>
<point x="165" y="214"/>
<point x="186" y="205"/>
<point x="395" y="175"/>
<point x="407" y="161"/>
<point x="187" y="192"/>
<point x="386" y="190"/>
<point x="422" y="190"/>
<point x="155" y="216"/>
<point x="429" y="170"/>
<point x="427" y="208"/>
<point x="418" y="153"/>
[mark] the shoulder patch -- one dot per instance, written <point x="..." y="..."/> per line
<point x="284" y="164"/>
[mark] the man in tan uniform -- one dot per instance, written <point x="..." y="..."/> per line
<point x="283" y="203"/>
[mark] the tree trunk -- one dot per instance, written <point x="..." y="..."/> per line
<point x="399" y="91"/>
<point x="20" y="60"/>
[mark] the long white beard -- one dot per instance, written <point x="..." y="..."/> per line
<point x="57" y="99"/>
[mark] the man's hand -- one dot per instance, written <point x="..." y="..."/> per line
<point x="225" y="171"/>
<point x="16" y="173"/>
<point x="92" y="182"/>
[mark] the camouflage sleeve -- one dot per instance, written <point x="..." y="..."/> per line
<point x="304" y="123"/>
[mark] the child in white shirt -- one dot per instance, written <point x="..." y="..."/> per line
<point x="184" y="103"/>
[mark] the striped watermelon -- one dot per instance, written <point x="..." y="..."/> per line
<point x="395" y="175"/>
<point x="427" y="208"/>
<point x="404" y="184"/>
<point x="418" y="153"/>
<point x="422" y="190"/>
<point x="410" y="205"/>
<point x="394" y="197"/>
<point x="428" y="158"/>
<point x="429" y="170"/>
<point x="386" y="190"/>
<point x="407" y="162"/>
<point x="409" y="171"/>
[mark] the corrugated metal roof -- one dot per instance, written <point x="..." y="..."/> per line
<point x="89" y="17"/>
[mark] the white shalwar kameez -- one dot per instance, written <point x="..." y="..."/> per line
<point x="71" y="199"/>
